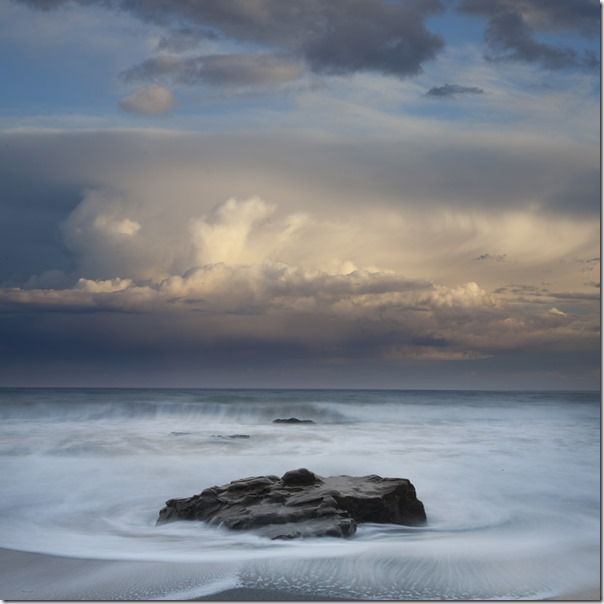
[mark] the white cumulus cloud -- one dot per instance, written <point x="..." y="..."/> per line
<point x="224" y="236"/>
<point x="153" y="99"/>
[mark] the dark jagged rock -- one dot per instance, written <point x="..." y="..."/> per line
<point x="299" y="477"/>
<point x="292" y="420"/>
<point x="301" y="504"/>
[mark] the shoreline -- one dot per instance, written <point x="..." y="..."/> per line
<point x="248" y="594"/>
<point x="33" y="576"/>
<point x="36" y="576"/>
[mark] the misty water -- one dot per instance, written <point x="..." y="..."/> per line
<point x="510" y="483"/>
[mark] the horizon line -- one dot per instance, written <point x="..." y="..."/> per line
<point x="323" y="389"/>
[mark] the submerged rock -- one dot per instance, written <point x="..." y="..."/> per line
<point x="292" y="420"/>
<point x="301" y="504"/>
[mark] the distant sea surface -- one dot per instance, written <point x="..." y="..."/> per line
<point x="510" y="482"/>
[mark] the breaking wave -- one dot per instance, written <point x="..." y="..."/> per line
<point x="510" y="482"/>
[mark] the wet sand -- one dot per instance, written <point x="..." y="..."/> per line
<point x="31" y="576"/>
<point x="586" y="595"/>
<point x="245" y="594"/>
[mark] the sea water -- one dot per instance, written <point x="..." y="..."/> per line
<point x="510" y="482"/>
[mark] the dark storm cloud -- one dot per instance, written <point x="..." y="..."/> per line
<point x="510" y="39"/>
<point x="183" y="39"/>
<point x="492" y="257"/>
<point x="452" y="90"/>
<point x="579" y="16"/>
<point x="43" y="4"/>
<point x="544" y="295"/>
<point x="522" y="289"/>
<point x="335" y="37"/>
<point x="31" y="210"/>
<point x="588" y="261"/>
<point x="513" y="26"/>
<point x="220" y="70"/>
<point x="582" y="192"/>
<point x="574" y="296"/>
<point x="70" y="348"/>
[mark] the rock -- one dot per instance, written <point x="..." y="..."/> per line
<point x="292" y="420"/>
<point x="230" y="436"/>
<point x="301" y="504"/>
<point x="301" y="476"/>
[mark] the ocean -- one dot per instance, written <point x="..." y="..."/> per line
<point x="510" y="482"/>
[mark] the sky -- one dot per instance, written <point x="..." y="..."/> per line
<point x="305" y="194"/>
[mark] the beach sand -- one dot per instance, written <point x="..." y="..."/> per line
<point x="585" y="595"/>
<point x="32" y="576"/>
<point x="28" y="576"/>
<point x="246" y="594"/>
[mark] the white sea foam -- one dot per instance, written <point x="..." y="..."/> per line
<point x="510" y="483"/>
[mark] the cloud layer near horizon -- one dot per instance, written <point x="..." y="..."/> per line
<point x="298" y="267"/>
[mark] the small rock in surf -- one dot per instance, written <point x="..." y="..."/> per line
<point x="292" y="420"/>
<point x="301" y="504"/>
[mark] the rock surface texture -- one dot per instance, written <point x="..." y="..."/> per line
<point x="301" y="504"/>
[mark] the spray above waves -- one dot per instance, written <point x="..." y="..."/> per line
<point x="250" y="412"/>
<point x="259" y="407"/>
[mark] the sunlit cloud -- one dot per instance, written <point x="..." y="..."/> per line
<point x="149" y="100"/>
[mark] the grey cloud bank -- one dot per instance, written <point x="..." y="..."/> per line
<point x="452" y="90"/>
<point x="330" y="37"/>
<point x="512" y="26"/>
<point x="223" y="70"/>
<point x="226" y="248"/>
<point x="337" y="37"/>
